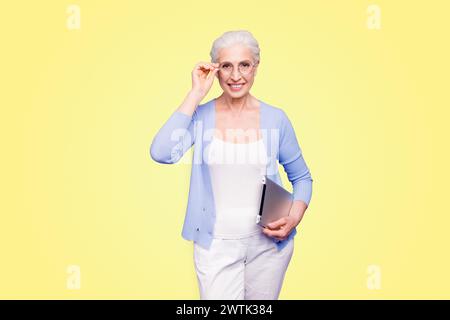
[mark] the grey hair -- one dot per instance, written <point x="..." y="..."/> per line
<point x="230" y="38"/>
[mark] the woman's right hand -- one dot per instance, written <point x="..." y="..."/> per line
<point x="203" y="77"/>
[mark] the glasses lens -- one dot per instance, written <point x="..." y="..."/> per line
<point x="245" y="67"/>
<point x="226" y="68"/>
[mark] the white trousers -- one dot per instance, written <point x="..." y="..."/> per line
<point x="251" y="268"/>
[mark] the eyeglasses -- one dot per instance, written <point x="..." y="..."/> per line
<point x="244" y="67"/>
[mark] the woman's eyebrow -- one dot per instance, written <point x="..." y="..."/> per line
<point x="239" y="61"/>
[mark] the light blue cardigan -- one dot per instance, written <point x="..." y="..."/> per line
<point x="181" y="131"/>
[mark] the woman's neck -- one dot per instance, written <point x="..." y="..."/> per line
<point x="236" y="105"/>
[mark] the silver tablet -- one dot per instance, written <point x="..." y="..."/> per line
<point x="276" y="202"/>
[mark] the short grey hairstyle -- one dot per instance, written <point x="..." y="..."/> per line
<point x="231" y="38"/>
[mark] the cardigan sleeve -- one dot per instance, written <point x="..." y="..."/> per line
<point x="291" y="157"/>
<point x="174" y="138"/>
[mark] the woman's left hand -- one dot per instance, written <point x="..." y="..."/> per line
<point x="281" y="228"/>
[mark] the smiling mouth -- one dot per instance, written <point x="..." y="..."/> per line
<point x="236" y="86"/>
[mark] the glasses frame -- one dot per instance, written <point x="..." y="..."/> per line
<point x="252" y="66"/>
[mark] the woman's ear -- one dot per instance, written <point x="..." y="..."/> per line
<point x="256" y="69"/>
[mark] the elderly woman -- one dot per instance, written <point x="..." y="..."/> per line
<point x="237" y="139"/>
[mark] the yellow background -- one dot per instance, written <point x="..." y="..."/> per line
<point x="79" y="109"/>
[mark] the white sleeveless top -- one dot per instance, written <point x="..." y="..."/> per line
<point x="236" y="171"/>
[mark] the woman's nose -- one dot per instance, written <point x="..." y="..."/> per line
<point x="235" y="75"/>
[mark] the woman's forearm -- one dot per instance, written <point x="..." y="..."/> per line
<point x="298" y="210"/>
<point x="177" y="134"/>
<point x="190" y="103"/>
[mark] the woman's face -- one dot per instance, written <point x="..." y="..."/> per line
<point x="232" y="61"/>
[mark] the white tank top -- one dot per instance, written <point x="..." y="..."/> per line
<point x="236" y="171"/>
